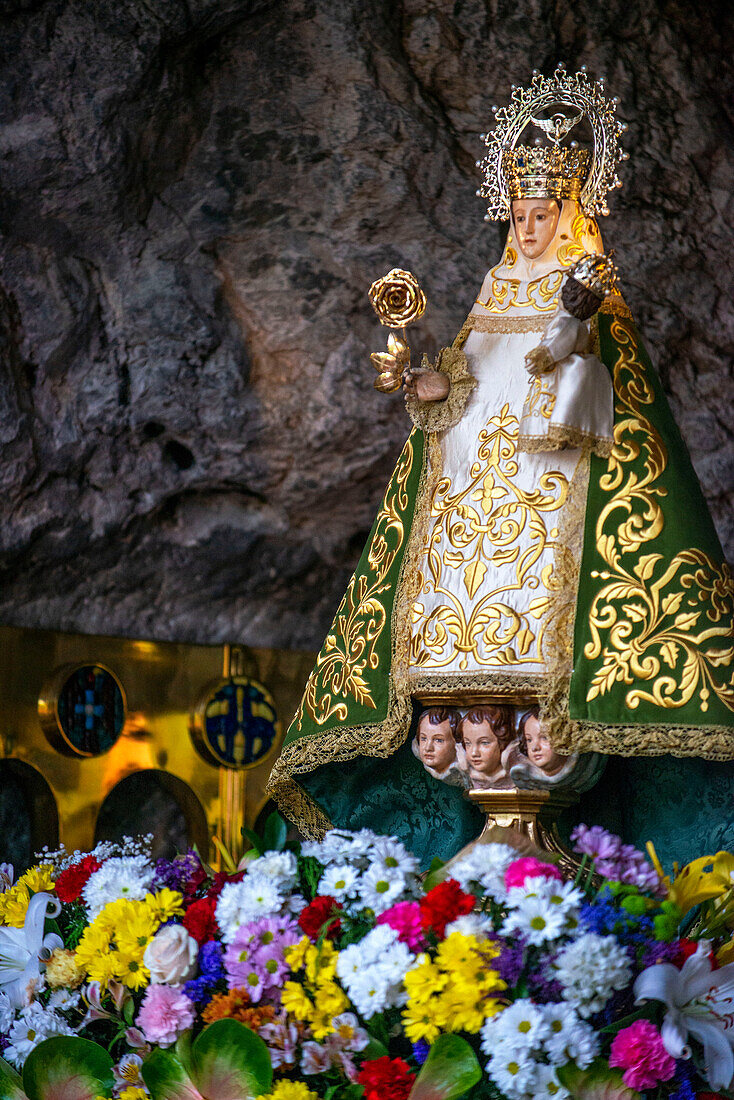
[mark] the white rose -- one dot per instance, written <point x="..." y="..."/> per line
<point x="171" y="955"/>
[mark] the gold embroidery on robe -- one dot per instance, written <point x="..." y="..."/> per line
<point x="484" y="524"/>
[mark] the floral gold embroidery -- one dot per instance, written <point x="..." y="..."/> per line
<point x="476" y="526"/>
<point x="350" y="646"/>
<point x="660" y="625"/>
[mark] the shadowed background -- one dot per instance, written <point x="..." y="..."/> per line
<point x="194" y="198"/>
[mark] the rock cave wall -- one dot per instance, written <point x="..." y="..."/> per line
<point x="195" y="196"/>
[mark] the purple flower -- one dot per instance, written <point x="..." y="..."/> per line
<point x="175" y="873"/>
<point x="210" y="960"/>
<point x="510" y="962"/>
<point x="595" y="842"/>
<point x="684" y="1075"/>
<point x="255" y="960"/>
<point x="420" y="1051"/>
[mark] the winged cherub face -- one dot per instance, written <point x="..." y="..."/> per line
<point x="536" y="221"/>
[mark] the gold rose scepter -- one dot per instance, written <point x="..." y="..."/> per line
<point x="398" y="301"/>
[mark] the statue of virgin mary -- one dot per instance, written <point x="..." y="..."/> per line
<point x="584" y="578"/>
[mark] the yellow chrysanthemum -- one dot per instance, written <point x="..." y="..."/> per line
<point x="38" y="878"/>
<point x="295" y="1001"/>
<point x="424" y="981"/>
<point x="290" y="1090"/>
<point x="296" y="956"/>
<point x="14" y="905"/>
<point x="134" y="1093"/>
<point x="420" y="1021"/>
<point x="165" y="904"/>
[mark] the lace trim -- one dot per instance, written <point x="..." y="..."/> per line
<point x="451" y="684"/>
<point x="438" y="416"/>
<point x="562" y="436"/>
<point x="483" y="322"/>
<point x="379" y="739"/>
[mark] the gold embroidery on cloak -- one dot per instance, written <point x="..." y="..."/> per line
<point x="646" y="624"/>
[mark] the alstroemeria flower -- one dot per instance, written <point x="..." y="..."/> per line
<point x="699" y="1002"/>
<point x="23" y="951"/>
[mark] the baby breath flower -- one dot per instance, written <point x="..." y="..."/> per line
<point x="590" y="969"/>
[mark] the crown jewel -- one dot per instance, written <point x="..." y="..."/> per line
<point x="596" y="272"/>
<point x="511" y="171"/>
<point x="550" y="173"/>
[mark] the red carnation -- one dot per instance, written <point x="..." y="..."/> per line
<point x="72" y="881"/>
<point x="386" y="1079"/>
<point x="199" y="920"/>
<point x="443" y="904"/>
<point x="221" y="879"/>
<point x="314" y="917"/>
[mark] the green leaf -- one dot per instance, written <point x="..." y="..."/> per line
<point x="374" y="1049"/>
<point x="67" y="1068"/>
<point x="231" y="1062"/>
<point x="254" y="839"/>
<point x="353" y="1092"/>
<point x="598" y="1082"/>
<point x="167" y="1079"/>
<point x="10" y="1083"/>
<point x="274" y="833"/>
<point x="449" y="1071"/>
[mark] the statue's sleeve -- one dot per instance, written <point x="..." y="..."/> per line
<point x="437" y="416"/>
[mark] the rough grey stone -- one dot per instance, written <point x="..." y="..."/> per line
<point x="194" y="198"/>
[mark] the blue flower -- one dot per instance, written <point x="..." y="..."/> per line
<point x="420" y="1051"/>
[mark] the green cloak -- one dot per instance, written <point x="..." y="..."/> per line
<point x="642" y="661"/>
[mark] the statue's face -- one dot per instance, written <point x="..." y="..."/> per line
<point x="436" y="745"/>
<point x="482" y="747"/>
<point x="540" y="751"/>
<point x="536" y="221"/>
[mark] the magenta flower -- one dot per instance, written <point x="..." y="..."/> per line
<point x="529" y="867"/>
<point x="639" y="1051"/>
<point x="255" y="960"/>
<point x="164" y="1014"/>
<point x="405" y="918"/>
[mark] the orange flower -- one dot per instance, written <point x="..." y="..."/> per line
<point x="235" y="1005"/>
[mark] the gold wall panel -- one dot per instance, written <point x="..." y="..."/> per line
<point x="163" y="684"/>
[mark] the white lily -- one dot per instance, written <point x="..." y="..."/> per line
<point x="700" y="1002"/>
<point x="24" y="951"/>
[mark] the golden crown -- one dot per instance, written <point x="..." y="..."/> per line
<point x="596" y="272"/>
<point x="545" y="173"/>
<point x="512" y="171"/>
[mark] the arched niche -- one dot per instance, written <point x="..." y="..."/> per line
<point x="154" y="801"/>
<point x="29" y="818"/>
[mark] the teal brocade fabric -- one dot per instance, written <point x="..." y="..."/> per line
<point x="398" y="797"/>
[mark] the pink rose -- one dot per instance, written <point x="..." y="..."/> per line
<point x="171" y="955"/>
<point x="529" y="867"/>
<point x="164" y="1014"/>
<point x="639" y="1051"/>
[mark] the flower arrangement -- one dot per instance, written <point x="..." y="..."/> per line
<point x="335" y="970"/>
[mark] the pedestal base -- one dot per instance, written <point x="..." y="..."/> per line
<point x="532" y="816"/>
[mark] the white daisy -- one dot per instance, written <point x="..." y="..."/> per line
<point x="547" y="1084"/>
<point x="7" y="1013"/>
<point x="381" y="887"/>
<point x="120" y="877"/>
<point x="244" y="901"/>
<point x="514" y="1073"/>
<point x="393" y="853"/>
<point x="590" y="969"/>
<point x="372" y="971"/>
<point x="340" y="881"/>
<point x="569" y="1037"/>
<point x="471" y="924"/>
<point x="535" y="919"/>
<point x="520" y="1028"/>
<point x="33" y="1025"/>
